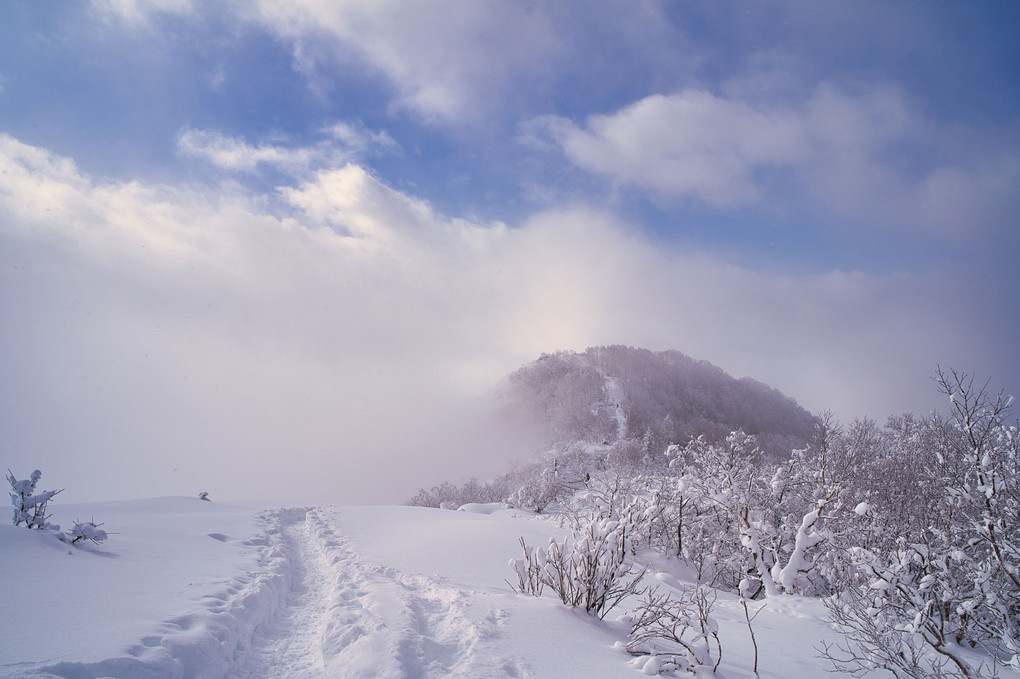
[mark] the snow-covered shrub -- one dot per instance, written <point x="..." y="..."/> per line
<point x="872" y="642"/>
<point x="729" y="526"/>
<point x="659" y="506"/>
<point x="29" y="506"/>
<point x="626" y="456"/>
<point x="607" y="495"/>
<point x="589" y="568"/>
<point x="746" y="522"/>
<point x="528" y="571"/>
<point x="540" y="492"/>
<point x="646" y="503"/>
<point x="926" y="590"/>
<point x="472" y="491"/>
<point x="813" y="495"/>
<point x="87" y="530"/>
<point x="678" y="631"/>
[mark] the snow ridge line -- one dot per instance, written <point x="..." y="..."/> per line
<point x="207" y="642"/>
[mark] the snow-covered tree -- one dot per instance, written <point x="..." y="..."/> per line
<point x="29" y="506"/>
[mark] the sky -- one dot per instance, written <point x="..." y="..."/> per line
<point x="286" y="250"/>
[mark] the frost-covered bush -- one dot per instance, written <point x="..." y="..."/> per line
<point x="677" y="632"/>
<point x="87" y="530"/>
<point x="529" y="572"/>
<point x="588" y="569"/>
<point x="755" y="525"/>
<point x="472" y="490"/>
<point x="928" y="589"/>
<point x="730" y="524"/>
<point x="540" y="492"/>
<point x="647" y="503"/>
<point x="609" y="495"/>
<point x="447" y="493"/>
<point x="29" y="506"/>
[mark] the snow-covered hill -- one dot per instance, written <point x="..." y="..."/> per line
<point x="186" y="588"/>
<point x="617" y="393"/>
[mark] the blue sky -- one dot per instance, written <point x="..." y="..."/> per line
<point x="234" y="230"/>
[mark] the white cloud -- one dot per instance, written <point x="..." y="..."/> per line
<point x="358" y="139"/>
<point x="232" y="153"/>
<point x="333" y="353"/>
<point x="348" y="141"/>
<point x="869" y="156"/>
<point x="690" y="143"/>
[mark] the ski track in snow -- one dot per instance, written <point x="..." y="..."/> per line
<point x="345" y="617"/>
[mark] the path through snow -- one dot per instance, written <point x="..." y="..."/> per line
<point x="345" y="617"/>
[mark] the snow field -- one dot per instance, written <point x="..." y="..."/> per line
<point x="191" y="589"/>
<point x="176" y="592"/>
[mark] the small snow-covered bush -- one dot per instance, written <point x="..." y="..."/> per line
<point x="528" y="571"/>
<point x="30" y="507"/>
<point x="588" y="569"/>
<point x="87" y="530"/>
<point x="678" y="632"/>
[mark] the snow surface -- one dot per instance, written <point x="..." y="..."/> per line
<point x="185" y="588"/>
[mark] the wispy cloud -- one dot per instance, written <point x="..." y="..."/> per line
<point x="345" y="141"/>
<point x="448" y="61"/>
<point x="357" y="139"/>
<point x="233" y="153"/>
<point x="138" y="13"/>
<point x="441" y="57"/>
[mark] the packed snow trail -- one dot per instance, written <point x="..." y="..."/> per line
<point x="290" y="640"/>
<point x="345" y="617"/>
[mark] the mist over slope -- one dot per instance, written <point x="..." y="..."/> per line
<point x="620" y="395"/>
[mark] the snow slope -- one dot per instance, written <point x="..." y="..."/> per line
<point x="186" y="588"/>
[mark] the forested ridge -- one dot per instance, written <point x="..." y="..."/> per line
<point x="616" y="393"/>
